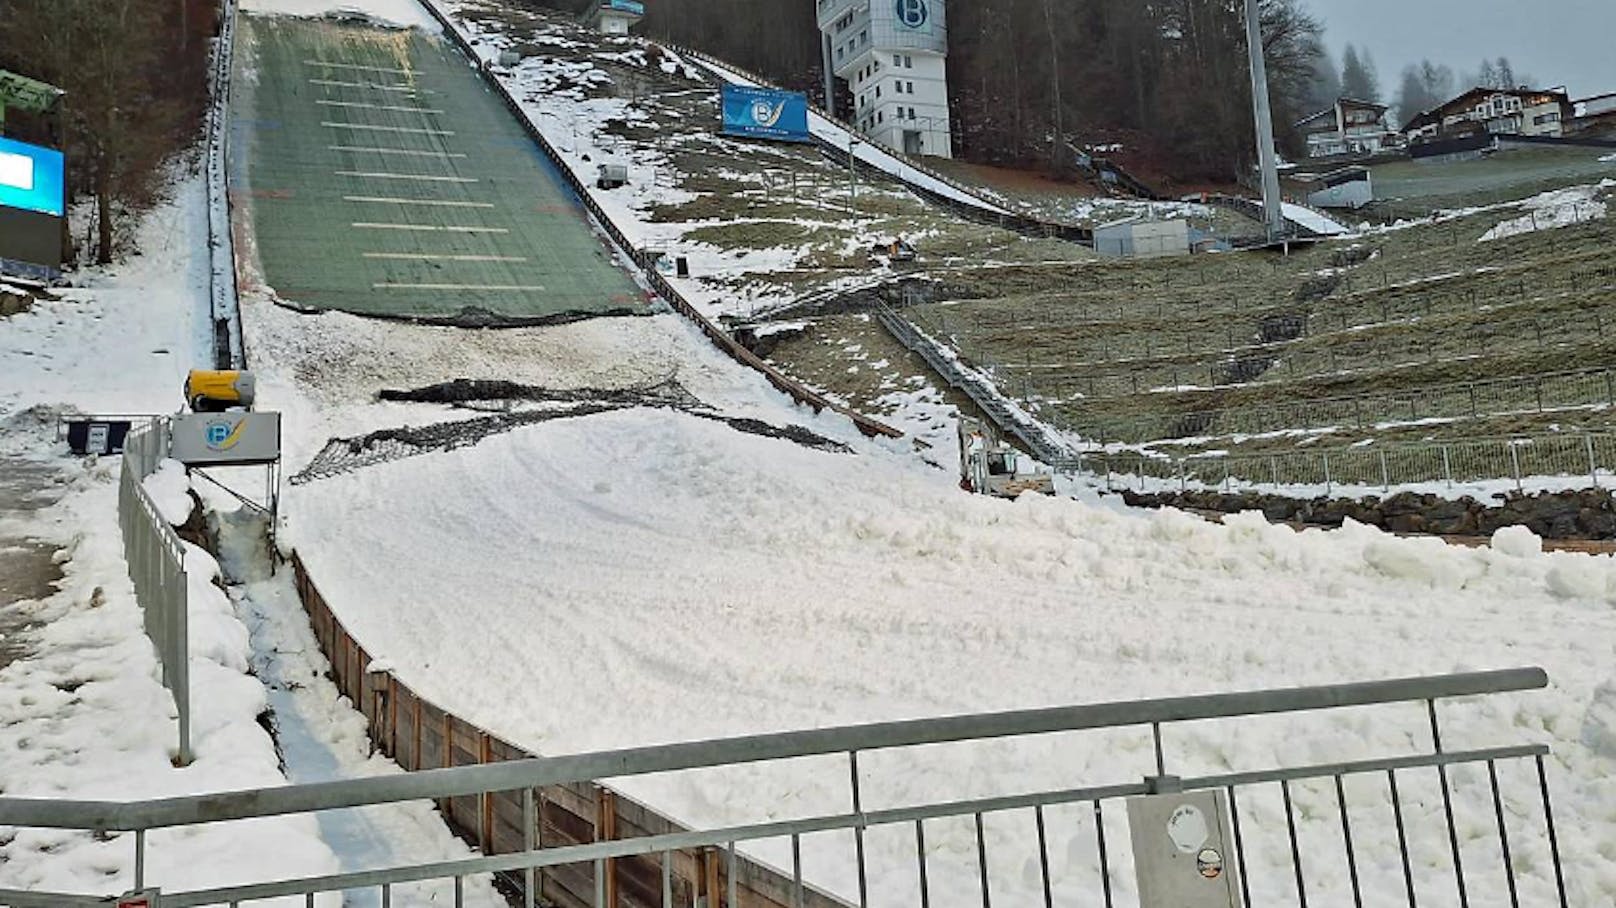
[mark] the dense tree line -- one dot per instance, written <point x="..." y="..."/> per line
<point x="1171" y="76"/>
<point x="135" y="77"/>
<point x="1165" y="77"/>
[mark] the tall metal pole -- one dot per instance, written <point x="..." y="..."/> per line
<point x="830" y="76"/>
<point x="1273" y="213"/>
<point x="852" y="173"/>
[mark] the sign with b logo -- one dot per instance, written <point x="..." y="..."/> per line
<point x="913" y="13"/>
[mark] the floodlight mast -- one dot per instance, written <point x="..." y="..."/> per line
<point x="1273" y="213"/>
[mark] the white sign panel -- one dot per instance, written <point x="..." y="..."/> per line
<point x="201" y="439"/>
<point x="1183" y="850"/>
<point x="17" y="171"/>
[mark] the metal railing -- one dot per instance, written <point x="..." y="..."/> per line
<point x="1521" y="460"/>
<point x="229" y="348"/>
<point x="1407" y="776"/>
<point x="1132" y="351"/>
<point x="1239" y="318"/>
<point x="1011" y="420"/>
<point x="1517" y="396"/>
<point x="156" y="559"/>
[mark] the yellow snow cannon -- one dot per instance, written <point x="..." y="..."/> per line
<point x="213" y="391"/>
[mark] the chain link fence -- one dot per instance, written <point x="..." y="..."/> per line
<point x="1527" y="395"/>
<point x="1385" y="467"/>
<point x="1121" y="362"/>
<point x="1532" y="394"/>
<point x="156" y="559"/>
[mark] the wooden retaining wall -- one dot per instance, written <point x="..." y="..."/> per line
<point x="417" y="734"/>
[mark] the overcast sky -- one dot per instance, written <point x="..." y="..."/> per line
<point x="1557" y="42"/>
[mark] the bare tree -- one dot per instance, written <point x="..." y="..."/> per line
<point x="134" y="85"/>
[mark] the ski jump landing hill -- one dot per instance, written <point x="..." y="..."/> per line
<point x="335" y="215"/>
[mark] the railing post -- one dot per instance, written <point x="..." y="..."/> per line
<point x="1447" y="807"/>
<point x="1554" y="839"/>
<point x="1447" y="466"/>
<point x="858" y="831"/>
<point x="1385" y="472"/>
<point x="1515" y="462"/>
<point x="1593" y="465"/>
<point x="529" y="844"/>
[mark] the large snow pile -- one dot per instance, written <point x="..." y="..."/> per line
<point x="1554" y="209"/>
<point x="642" y="577"/>
<point x="170" y="491"/>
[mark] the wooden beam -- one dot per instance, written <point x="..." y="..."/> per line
<point x="606" y="831"/>
<point x="709" y="861"/>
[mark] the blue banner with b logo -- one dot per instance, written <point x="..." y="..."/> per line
<point x="766" y="113"/>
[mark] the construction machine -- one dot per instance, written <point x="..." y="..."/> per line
<point x="988" y="466"/>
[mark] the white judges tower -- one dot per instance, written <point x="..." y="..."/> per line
<point x="893" y="55"/>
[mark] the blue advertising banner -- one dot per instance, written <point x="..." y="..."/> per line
<point x="627" y="6"/>
<point x="766" y="113"/>
<point x="31" y="178"/>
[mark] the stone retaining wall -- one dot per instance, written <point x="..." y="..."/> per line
<point x="1588" y="514"/>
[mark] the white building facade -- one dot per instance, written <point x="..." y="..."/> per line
<point x="893" y="55"/>
<point x="616" y="17"/>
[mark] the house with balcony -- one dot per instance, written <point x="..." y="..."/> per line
<point x="1496" y="112"/>
<point x="1349" y="128"/>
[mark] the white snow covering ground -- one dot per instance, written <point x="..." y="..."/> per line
<point x="1313" y="220"/>
<point x="397" y="13"/>
<point x="83" y="714"/>
<point x="645" y="577"/>
<point x="1554" y="209"/>
<point x="320" y="733"/>
<point x="122" y="339"/>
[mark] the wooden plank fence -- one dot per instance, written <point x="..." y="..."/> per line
<point x="418" y="734"/>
